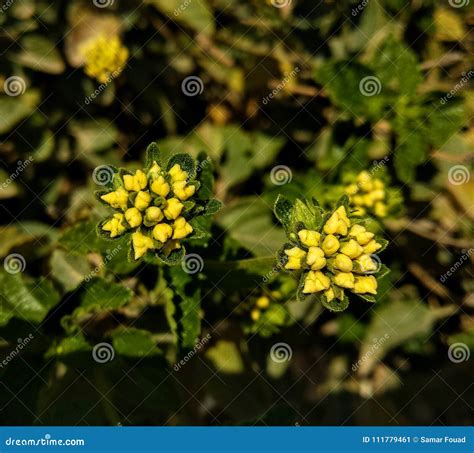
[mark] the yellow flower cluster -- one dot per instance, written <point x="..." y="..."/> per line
<point x="105" y="57"/>
<point x="262" y="303"/>
<point x="338" y="258"/>
<point x="152" y="204"/>
<point x="368" y="194"/>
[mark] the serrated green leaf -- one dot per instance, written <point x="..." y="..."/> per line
<point x="132" y="342"/>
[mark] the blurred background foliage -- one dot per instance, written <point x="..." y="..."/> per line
<point x="279" y="86"/>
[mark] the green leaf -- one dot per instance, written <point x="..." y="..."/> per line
<point x="283" y="209"/>
<point x="69" y="269"/>
<point x="410" y="152"/>
<point x="100" y="294"/>
<point x="94" y="135"/>
<point x="205" y="171"/>
<point x="15" y="109"/>
<point x="132" y="342"/>
<point x="226" y="357"/>
<point x="335" y="305"/>
<point x="152" y="154"/>
<point x="30" y="302"/>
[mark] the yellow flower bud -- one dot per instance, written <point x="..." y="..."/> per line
<point x="330" y="244"/>
<point x="160" y="186"/>
<point x="183" y="191"/>
<point x="117" y="199"/>
<point x="362" y="236"/>
<point x="358" y="200"/>
<point x="365" y="181"/>
<point x="115" y="225"/>
<point x="135" y="182"/>
<point x="352" y="249"/>
<point x="367" y="264"/>
<point x="372" y="247"/>
<point x="343" y="263"/>
<point x="380" y="209"/>
<point x="367" y="284"/>
<point x="368" y="201"/>
<point x="181" y="228"/>
<point x="154" y="171"/>
<point x="162" y="232"/>
<point x="255" y="314"/>
<point x="315" y="258"/>
<point x="177" y="174"/>
<point x="332" y="224"/>
<point x="329" y="294"/>
<point x="378" y="194"/>
<point x="378" y="184"/>
<point x="141" y="179"/>
<point x="309" y="238"/>
<point x="133" y="217"/>
<point x="315" y="282"/>
<point x="153" y="214"/>
<point x="295" y="256"/>
<point x="352" y="189"/>
<point x="141" y="244"/>
<point x="344" y="279"/>
<point x="341" y="212"/>
<point x="263" y="302"/>
<point x="142" y="200"/>
<point x="173" y="209"/>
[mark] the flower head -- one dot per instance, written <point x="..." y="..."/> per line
<point x="104" y="57"/>
<point x="157" y="217"/>
<point x="331" y="252"/>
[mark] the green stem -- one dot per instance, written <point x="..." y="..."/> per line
<point x="257" y="265"/>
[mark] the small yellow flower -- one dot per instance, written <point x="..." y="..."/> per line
<point x="377" y="194"/>
<point x="105" y="57"/>
<point x="115" y="225"/>
<point x="367" y="264"/>
<point x="315" y="282"/>
<point x="364" y="181"/>
<point x="334" y="225"/>
<point x="182" y="190"/>
<point x="315" y="258"/>
<point x="344" y="279"/>
<point x="181" y="228"/>
<point x="378" y="184"/>
<point x="255" y="314"/>
<point x="329" y="294"/>
<point x="352" y="249"/>
<point x="295" y="256"/>
<point x="153" y="214"/>
<point x="352" y="189"/>
<point x="160" y="186"/>
<point x="177" y="174"/>
<point x="133" y="217"/>
<point x="362" y="236"/>
<point x="141" y="244"/>
<point x="142" y="200"/>
<point x="117" y="199"/>
<point x="343" y="263"/>
<point x="372" y="247"/>
<point x="368" y="200"/>
<point x="330" y="245"/>
<point x="154" y="171"/>
<point x="380" y="209"/>
<point x="135" y="182"/>
<point x="162" y="232"/>
<point x="173" y="208"/>
<point x="309" y="238"/>
<point x="341" y="212"/>
<point x="367" y="284"/>
<point x="263" y="302"/>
